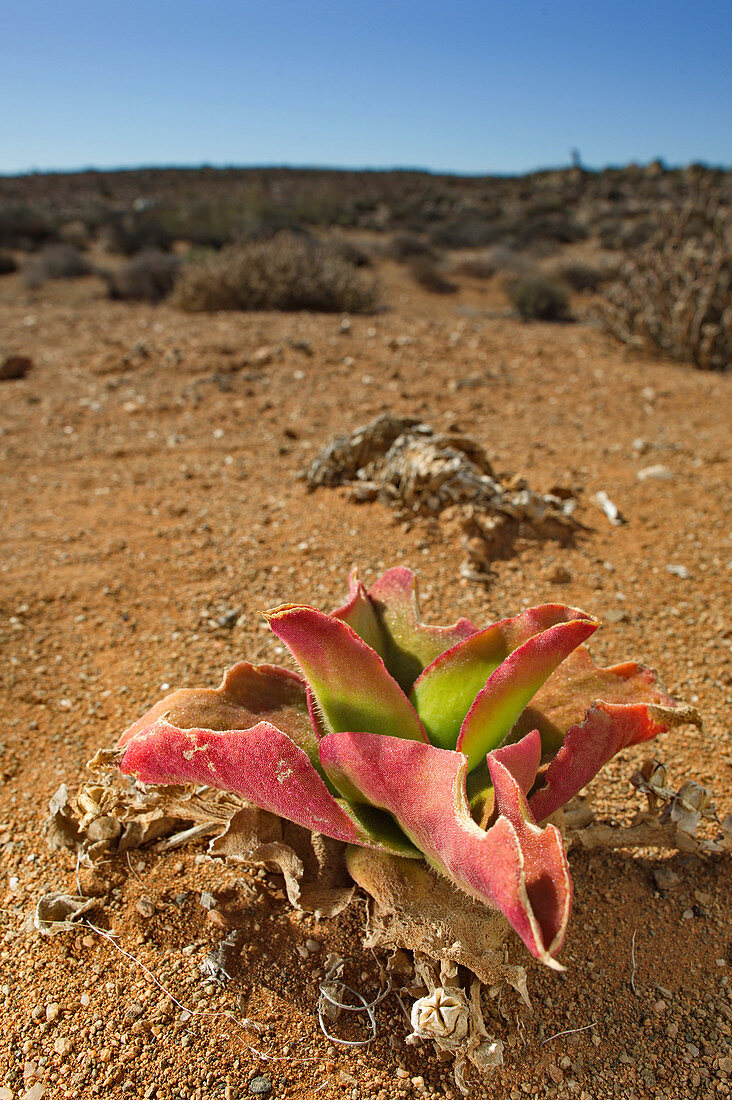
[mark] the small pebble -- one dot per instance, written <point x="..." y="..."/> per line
<point x="658" y="473"/>
<point x="260" y="1086"/>
<point x="145" y="907"/>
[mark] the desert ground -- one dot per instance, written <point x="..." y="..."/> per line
<point x="152" y="507"/>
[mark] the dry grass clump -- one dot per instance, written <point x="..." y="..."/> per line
<point x="675" y="294"/>
<point x="287" y="272"/>
<point x="55" y="261"/>
<point x="539" y="298"/>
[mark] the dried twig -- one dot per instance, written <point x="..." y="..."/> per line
<point x="633" y="972"/>
<point x="569" y="1031"/>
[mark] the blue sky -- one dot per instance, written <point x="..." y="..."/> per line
<point x="456" y="85"/>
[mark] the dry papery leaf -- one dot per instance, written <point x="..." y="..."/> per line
<point x="404" y="464"/>
<point x="672" y="819"/>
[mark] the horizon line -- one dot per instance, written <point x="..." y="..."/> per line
<point x="408" y="169"/>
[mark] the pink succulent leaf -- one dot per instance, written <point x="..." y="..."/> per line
<point x="576" y="684"/>
<point x="525" y="649"/>
<point x="512" y="686"/>
<point x="606" y="729"/>
<point x="262" y="765"/>
<point x="514" y="866"/>
<point x="247" y="694"/>
<point x="409" y="645"/>
<point x="522" y="759"/>
<point x="348" y="680"/>
<point x="359" y="613"/>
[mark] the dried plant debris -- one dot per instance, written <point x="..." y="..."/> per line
<point x="312" y="865"/>
<point x="414" y="908"/>
<point x="672" y="820"/>
<point x="60" y="912"/>
<point x="404" y="464"/>
<point x="453" y="1018"/>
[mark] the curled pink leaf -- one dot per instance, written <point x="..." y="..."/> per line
<point x="247" y="694"/>
<point x="605" y="730"/>
<point x="261" y="764"/>
<point x="513" y="866"/>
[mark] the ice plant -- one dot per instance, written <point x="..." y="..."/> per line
<point x="449" y="743"/>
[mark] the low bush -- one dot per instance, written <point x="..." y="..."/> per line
<point x="23" y="227"/>
<point x="539" y="298"/>
<point x="55" y="261"/>
<point x="583" y="277"/>
<point x="287" y="272"/>
<point x="469" y="231"/>
<point x="149" y="277"/>
<point x="429" y="276"/>
<point x="404" y="247"/>
<point x="476" y="267"/>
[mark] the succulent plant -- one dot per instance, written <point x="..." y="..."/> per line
<point x="451" y="744"/>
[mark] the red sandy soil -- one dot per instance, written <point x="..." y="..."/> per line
<point x="148" y="486"/>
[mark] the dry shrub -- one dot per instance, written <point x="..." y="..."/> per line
<point x="539" y="298"/>
<point x="675" y="295"/>
<point x="55" y="261"/>
<point x="405" y="247"/>
<point x="427" y="273"/>
<point x="288" y="272"/>
<point x="149" y="277"/>
<point x="476" y="267"/>
<point x="583" y="277"/>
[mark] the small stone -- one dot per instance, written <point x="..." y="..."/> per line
<point x="615" y="615"/>
<point x="260" y="1086"/>
<point x="688" y="914"/>
<point x="658" y="473"/>
<point x="693" y="1050"/>
<point x="672" y="1031"/>
<point x="62" y="1046"/>
<point x="559" y="575"/>
<point x="145" y="907"/>
<point x="85" y="999"/>
<point x="665" y="878"/>
<point x="52" y="1011"/>
<point x="313" y="946"/>
<point x="679" y="571"/>
<point x="35" y="1092"/>
<point x="14" y="366"/>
